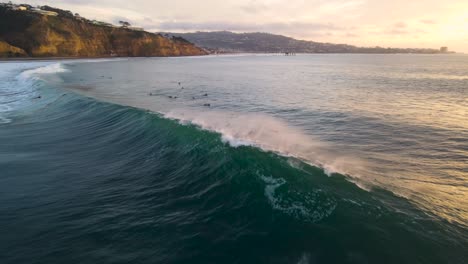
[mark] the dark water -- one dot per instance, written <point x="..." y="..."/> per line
<point x="306" y="159"/>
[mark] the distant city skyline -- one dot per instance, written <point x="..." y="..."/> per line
<point x="412" y="24"/>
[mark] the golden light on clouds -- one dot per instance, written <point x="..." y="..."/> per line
<point x="397" y="23"/>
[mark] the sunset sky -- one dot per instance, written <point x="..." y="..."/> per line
<point x="397" y="23"/>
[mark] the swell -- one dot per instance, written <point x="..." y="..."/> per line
<point x="145" y="170"/>
<point x="242" y="129"/>
<point x="230" y="129"/>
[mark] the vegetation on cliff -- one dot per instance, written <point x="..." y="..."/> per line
<point x="51" y="32"/>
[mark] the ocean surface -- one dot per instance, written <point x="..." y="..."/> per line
<point x="235" y="159"/>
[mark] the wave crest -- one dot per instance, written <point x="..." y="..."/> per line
<point x="267" y="133"/>
<point x="36" y="72"/>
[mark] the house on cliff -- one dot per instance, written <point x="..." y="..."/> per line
<point x="43" y="12"/>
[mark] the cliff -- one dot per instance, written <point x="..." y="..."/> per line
<point x="7" y="50"/>
<point x="24" y="33"/>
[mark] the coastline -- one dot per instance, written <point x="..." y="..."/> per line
<point x="12" y="59"/>
<point x="6" y="59"/>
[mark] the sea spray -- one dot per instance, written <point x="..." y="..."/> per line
<point x="270" y="134"/>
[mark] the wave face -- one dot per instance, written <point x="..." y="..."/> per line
<point x="88" y="181"/>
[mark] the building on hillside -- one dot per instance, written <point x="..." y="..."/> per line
<point x="44" y="12"/>
<point x="17" y="7"/>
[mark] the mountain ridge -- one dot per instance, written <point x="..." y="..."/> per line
<point x="230" y="42"/>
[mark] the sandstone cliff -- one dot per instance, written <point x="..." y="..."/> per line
<point x="26" y="33"/>
<point x="7" y="50"/>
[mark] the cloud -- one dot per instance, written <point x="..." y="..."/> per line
<point x="362" y="22"/>
<point x="264" y="27"/>
<point x="428" y="21"/>
<point x="400" y="25"/>
<point x="254" y="7"/>
<point x="351" y="35"/>
<point x="396" y="31"/>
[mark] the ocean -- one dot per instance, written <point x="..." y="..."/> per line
<point x="235" y="159"/>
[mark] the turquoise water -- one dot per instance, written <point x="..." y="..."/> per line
<point x="304" y="159"/>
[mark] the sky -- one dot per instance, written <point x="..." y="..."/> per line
<point x="396" y="23"/>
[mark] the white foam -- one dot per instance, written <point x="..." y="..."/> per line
<point x="16" y="90"/>
<point x="311" y="205"/>
<point x="36" y="72"/>
<point x="268" y="133"/>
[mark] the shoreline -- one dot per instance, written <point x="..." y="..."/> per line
<point x="3" y="59"/>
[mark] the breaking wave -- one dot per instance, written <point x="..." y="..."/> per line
<point x="120" y="184"/>
<point x="267" y="133"/>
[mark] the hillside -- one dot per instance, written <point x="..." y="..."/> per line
<point x="225" y="41"/>
<point x="50" y="32"/>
